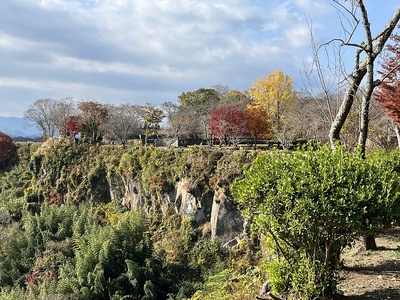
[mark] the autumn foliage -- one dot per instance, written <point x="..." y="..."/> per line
<point x="72" y="127"/>
<point x="387" y="93"/>
<point x="93" y="116"/>
<point x="274" y="94"/>
<point x="258" y="124"/>
<point x="6" y="146"/>
<point x="228" y="123"/>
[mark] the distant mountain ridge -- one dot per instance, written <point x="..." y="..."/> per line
<point x="18" y="127"/>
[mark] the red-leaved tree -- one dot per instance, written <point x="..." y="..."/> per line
<point x="72" y="127"/>
<point x="228" y="123"/>
<point x="387" y="93"/>
<point x="6" y="146"/>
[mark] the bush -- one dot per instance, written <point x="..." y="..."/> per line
<point x="310" y="205"/>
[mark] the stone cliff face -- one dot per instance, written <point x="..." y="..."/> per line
<point x="195" y="179"/>
<point x="226" y="221"/>
<point x="213" y="207"/>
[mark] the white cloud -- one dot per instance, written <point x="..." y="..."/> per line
<point x="315" y="7"/>
<point x="26" y="83"/>
<point x="298" y="35"/>
<point x="147" y="50"/>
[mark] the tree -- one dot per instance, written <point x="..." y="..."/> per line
<point x="72" y="127"/>
<point x="63" y="110"/>
<point x="275" y="95"/>
<point x="365" y="56"/>
<point x="42" y="113"/>
<point x="123" y="122"/>
<point x="6" y="146"/>
<point x="93" y="116"/>
<point x="201" y="102"/>
<point x="180" y="121"/>
<point x="221" y="89"/>
<point x="323" y="89"/>
<point x="258" y="125"/>
<point x="198" y="97"/>
<point x="50" y="115"/>
<point x="355" y="13"/>
<point x="174" y="126"/>
<point x="382" y="134"/>
<point x="387" y="93"/>
<point x="152" y="117"/>
<point x="288" y="131"/>
<point x="235" y="97"/>
<point x="311" y="111"/>
<point x="228" y="123"/>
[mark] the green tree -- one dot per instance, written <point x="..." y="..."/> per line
<point x="235" y="97"/>
<point x="152" y="117"/>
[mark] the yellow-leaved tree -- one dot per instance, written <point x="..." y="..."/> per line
<point x="275" y="95"/>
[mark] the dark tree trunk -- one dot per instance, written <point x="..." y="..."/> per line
<point x="370" y="243"/>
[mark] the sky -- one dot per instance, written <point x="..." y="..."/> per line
<point x="150" y="51"/>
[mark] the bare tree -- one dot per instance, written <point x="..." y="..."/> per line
<point x="201" y="102"/>
<point x="382" y="131"/>
<point x="50" y="115"/>
<point x="366" y="53"/>
<point x="123" y="122"/>
<point x="41" y="112"/>
<point x="63" y="110"/>
<point x="323" y="87"/>
<point x="312" y="118"/>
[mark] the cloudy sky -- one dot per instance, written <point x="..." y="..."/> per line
<point x="150" y="51"/>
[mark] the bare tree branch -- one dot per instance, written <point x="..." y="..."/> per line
<point x="361" y="68"/>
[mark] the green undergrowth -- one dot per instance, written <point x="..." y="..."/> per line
<point x="88" y="252"/>
<point x="62" y="236"/>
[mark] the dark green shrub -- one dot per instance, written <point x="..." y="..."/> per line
<point x="310" y="205"/>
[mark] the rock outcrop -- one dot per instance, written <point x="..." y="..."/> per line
<point x="213" y="207"/>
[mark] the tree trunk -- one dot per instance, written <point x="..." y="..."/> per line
<point x="344" y="110"/>
<point x="360" y="69"/>
<point x="397" y="130"/>
<point x="370" y="243"/>
<point x="370" y="84"/>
